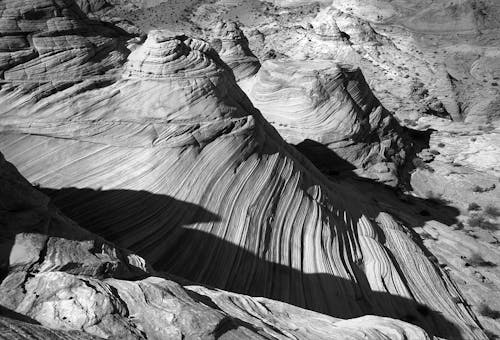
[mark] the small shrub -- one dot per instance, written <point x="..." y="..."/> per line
<point x="420" y="164"/>
<point x="473" y="207"/>
<point x="435" y="152"/>
<point x="479" y="221"/>
<point x="486" y="311"/>
<point x="477" y="188"/>
<point x="492" y="211"/>
<point x="426" y="236"/>
<point x="459" y="226"/>
<point x="441" y="145"/>
<point x="476" y="260"/>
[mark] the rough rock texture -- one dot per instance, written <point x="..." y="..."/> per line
<point x="232" y="46"/>
<point x="53" y="40"/>
<point x="422" y="59"/>
<point x="330" y="113"/>
<point x="58" y="275"/>
<point x="195" y="144"/>
<point x="173" y="162"/>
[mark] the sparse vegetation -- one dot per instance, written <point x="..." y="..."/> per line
<point x="479" y="221"/>
<point x="476" y="260"/>
<point x="492" y="211"/>
<point x="477" y="188"/>
<point x="420" y="164"/>
<point x="426" y="236"/>
<point x="410" y="122"/>
<point x="480" y="189"/>
<point x="488" y="312"/>
<point x="474" y="207"/>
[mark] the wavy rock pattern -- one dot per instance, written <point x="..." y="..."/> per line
<point x="232" y="46"/>
<point x="329" y="110"/>
<point x="61" y="276"/>
<point x="50" y="39"/>
<point x="185" y="172"/>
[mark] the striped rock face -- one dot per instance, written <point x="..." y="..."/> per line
<point x="329" y="111"/>
<point x="232" y="46"/>
<point x="171" y="161"/>
<point x="60" y="281"/>
<point x="50" y="39"/>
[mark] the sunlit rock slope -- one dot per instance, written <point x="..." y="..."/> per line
<point x="171" y="161"/>
<point x="329" y="111"/>
<point x="60" y="281"/>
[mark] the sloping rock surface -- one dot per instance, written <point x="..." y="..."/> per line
<point x="232" y="46"/>
<point x="60" y="281"/>
<point x="329" y="111"/>
<point x="173" y="162"/>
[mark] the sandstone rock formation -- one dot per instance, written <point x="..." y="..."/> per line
<point x="450" y="71"/>
<point x="53" y="40"/>
<point x="232" y="46"/>
<point x="172" y="162"/>
<point x="66" y="283"/>
<point x="329" y="111"/>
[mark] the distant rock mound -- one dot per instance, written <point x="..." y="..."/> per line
<point x="54" y="40"/>
<point x="232" y="46"/>
<point x="173" y="162"/>
<point x="329" y="111"/>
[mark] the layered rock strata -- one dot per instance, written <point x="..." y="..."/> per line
<point x="173" y="162"/>
<point x="232" y="46"/>
<point x="330" y="113"/>
<point x="60" y="281"/>
<point x="53" y="40"/>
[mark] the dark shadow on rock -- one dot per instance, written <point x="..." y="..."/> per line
<point x="158" y="228"/>
<point x="420" y="140"/>
<point x="323" y="158"/>
<point x="238" y="270"/>
<point x="9" y="313"/>
<point x="120" y="215"/>
<point x="337" y="169"/>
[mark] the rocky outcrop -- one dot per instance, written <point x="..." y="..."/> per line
<point x="53" y="40"/>
<point x="173" y="162"/>
<point x="330" y="113"/>
<point x="60" y="281"/>
<point x="232" y="46"/>
<point x="64" y="277"/>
